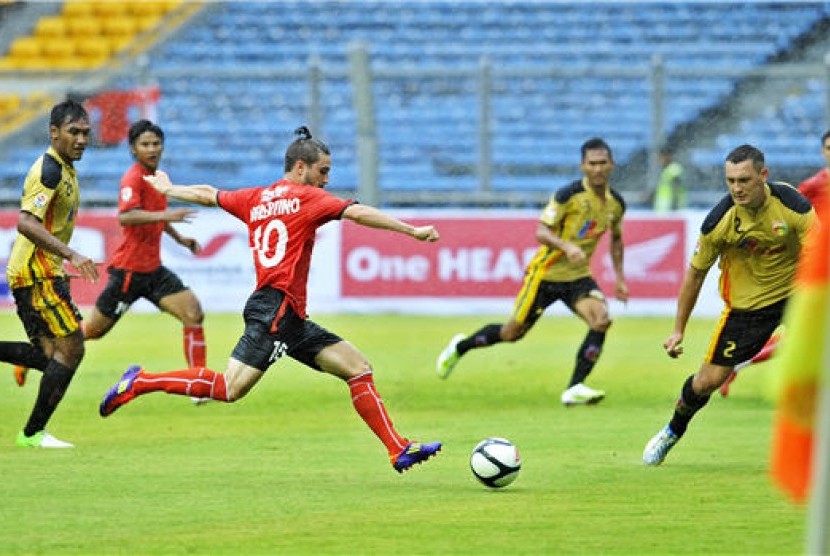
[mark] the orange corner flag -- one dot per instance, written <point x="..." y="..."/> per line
<point x="799" y="367"/>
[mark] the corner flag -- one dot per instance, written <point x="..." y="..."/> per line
<point x="800" y="366"/>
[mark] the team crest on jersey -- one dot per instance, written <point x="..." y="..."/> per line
<point x="126" y="194"/>
<point x="269" y="194"/>
<point x="41" y="200"/>
<point x="780" y="228"/>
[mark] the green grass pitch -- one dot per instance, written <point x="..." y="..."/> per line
<point x="291" y="469"/>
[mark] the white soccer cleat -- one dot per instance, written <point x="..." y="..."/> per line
<point x="449" y="358"/>
<point x="579" y="394"/>
<point x="199" y="401"/>
<point x="659" y="446"/>
<point x="41" y="439"/>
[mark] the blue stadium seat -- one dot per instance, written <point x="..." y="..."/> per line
<point x="235" y="129"/>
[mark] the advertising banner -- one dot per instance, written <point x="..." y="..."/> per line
<point x="476" y="267"/>
<point x="486" y="258"/>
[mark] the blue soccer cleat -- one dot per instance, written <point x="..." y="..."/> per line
<point x="121" y="393"/>
<point x="415" y="452"/>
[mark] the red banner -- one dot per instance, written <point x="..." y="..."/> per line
<point x="486" y="258"/>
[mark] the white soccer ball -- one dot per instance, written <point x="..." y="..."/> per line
<point x="495" y="462"/>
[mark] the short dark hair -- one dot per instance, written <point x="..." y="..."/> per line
<point x="593" y="144"/>
<point x="304" y="148"/>
<point x="67" y="111"/>
<point x="747" y="152"/>
<point x="825" y="136"/>
<point x="142" y="126"/>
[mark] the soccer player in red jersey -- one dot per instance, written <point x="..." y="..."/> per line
<point x="815" y="188"/>
<point x="135" y="269"/>
<point x="282" y="220"/>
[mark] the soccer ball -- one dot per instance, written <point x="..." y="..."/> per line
<point x="495" y="462"/>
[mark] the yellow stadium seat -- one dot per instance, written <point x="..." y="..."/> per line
<point x="145" y="22"/>
<point x="57" y="48"/>
<point x="75" y="8"/>
<point x="119" y="42"/>
<point x="97" y="47"/>
<point x="119" y="26"/>
<point x="24" y="47"/>
<point x="9" y="102"/>
<point x="83" y="26"/>
<point x="50" y="27"/>
<point x="73" y="63"/>
<point x="111" y="8"/>
<point x="31" y="62"/>
<point x="148" y="7"/>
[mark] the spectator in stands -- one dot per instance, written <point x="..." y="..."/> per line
<point x="815" y="188"/>
<point x="670" y="193"/>
<point x="568" y="232"/>
<point x="135" y="270"/>
<point x="757" y="232"/>
<point x="48" y="210"/>
<point x="282" y="220"/>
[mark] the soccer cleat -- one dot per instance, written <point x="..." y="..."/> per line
<point x="579" y="394"/>
<point x="449" y="357"/>
<point x="415" y="452"/>
<point x="40" y="439"/>
<point x="20" y="373"/>
<point x="659" y="446"/>
<point x="199" y="401"/>
<point x="121" y="393"/>
<point x="724" y="388"/>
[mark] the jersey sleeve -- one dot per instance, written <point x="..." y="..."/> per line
<point x="327" y="206"/>
<point x="706" y="252"/>
<point x="131" y="191"/>
<point x="237" y="202"/>
<point x="552" y="214"/>
<point x="39" y="187"/>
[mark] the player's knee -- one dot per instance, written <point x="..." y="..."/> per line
<point x="193" y="316"/>
<point x="73" y="354"/>
<point x="512" y="335"/>
<point x="602" y="324"/>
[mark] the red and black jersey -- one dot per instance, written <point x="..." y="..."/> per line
<point x="282" y="222"/>
<point x="140" y="250"/>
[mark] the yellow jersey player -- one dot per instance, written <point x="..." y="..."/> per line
<point x="568" y="232"/>
<point x="48" y="209"/>
<point x="757" y="232"/>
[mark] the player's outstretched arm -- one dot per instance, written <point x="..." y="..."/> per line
<point x="204" y="195"/>
<point x="33" y="229"/>
<point x="375" y="218"/>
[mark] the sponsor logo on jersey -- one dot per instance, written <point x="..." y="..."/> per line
<point x="270" y="194"/>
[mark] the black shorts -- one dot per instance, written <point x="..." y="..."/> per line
<point x="533" y="299"/>
<point x="741" y="334"/>
<point x="46" y="310"/>
<point x="125" y="287"/>
<point x="272" y="329"/>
